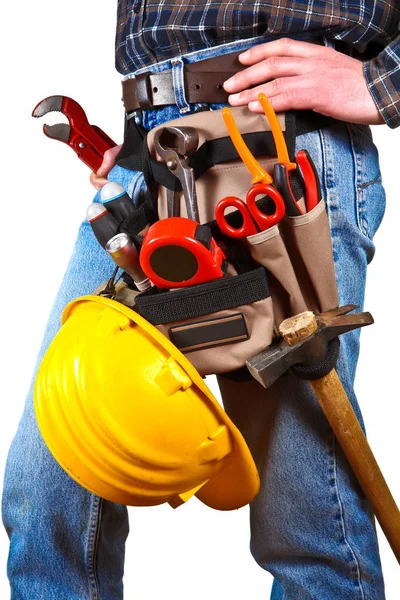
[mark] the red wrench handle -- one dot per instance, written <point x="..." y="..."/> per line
<point x="88" y="141"/>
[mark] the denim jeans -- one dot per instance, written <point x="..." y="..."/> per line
<point x="311" y="526"/>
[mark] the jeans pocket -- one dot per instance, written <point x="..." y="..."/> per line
<point x="369" y="191"/>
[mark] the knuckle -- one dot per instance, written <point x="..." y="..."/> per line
<point x="286" y="43"/>
<point x="276" y="85"/>
<point x="272" y="63"/>
<point x="108" y="154"/>
<point x="290" y="97"/>
<point x="239" y="79"/>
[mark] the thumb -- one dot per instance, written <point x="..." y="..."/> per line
<point x="100" y="178"/>
<point x="108" y="161"/>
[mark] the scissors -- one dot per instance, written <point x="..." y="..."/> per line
<point x="254" y="220"/>
<point x="283" y="166"/>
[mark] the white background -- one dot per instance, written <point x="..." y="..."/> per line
<point x="48" y="48"/>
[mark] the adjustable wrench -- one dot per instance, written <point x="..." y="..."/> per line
<point x="88" y="141"/>
<point x="183" y="142"/>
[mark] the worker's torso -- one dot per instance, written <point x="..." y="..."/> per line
<point x="150" y="31"/>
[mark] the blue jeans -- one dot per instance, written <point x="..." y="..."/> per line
<point x="310" y="525"/>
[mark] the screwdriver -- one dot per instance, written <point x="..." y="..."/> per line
<point x="117" y="201"/>
<point x="124" y="253"/>
<point x="103" y="224"/>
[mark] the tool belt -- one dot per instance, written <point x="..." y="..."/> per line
<point x="269" y="276"/>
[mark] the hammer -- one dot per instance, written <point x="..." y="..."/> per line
<point x="305" y="339"/>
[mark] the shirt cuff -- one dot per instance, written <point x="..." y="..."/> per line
<point x="382" y="75"/>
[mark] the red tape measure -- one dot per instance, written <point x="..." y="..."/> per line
<point x="178" y="252"/>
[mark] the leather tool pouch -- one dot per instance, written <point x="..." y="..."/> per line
<point x="272" y="275"/>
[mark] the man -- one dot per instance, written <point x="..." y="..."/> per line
<point x="310" y="525"/>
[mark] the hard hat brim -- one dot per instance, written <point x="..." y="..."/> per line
<point x="236" y="481"/>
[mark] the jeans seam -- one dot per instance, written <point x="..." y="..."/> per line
<point x="358" y="187"/>
<point x="328" y="179"/>
<point x="92" y="546"/>
<point x="342" y="522"/>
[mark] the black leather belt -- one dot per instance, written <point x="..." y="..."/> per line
<point x="203" y="82"/>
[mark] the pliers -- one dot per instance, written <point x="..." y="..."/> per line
<point x="283" y="167"/>
<point x="88" y="141"/>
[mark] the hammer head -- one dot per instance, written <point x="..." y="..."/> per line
<point x="267" y="366"/>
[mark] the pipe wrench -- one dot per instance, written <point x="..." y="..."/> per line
<point x="88" y="141"/>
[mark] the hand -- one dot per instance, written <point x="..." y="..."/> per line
<point x="300" y="75"/>
<point x="100" y="178"/>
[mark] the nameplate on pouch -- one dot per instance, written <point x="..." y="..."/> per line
<point x="199" y="335"/>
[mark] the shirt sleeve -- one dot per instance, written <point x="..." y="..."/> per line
<point x="382" y="74"/>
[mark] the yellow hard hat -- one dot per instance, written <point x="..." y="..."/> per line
<point x="129" y="417"/>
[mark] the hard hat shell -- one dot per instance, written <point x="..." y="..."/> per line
<point x="129" y="417"/>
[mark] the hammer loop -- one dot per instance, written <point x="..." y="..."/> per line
<point x="319" y="369"/>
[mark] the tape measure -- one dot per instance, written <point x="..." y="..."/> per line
<point x="179" y="252"/>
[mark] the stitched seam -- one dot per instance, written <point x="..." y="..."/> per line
<point x="92" y="546"/>
<point x="377" y="179"/>
<point x="330" y="207"/>
<point x="342" y="523"/>
<point x="358" y="188"/>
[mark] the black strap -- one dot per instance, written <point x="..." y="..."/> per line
<point x="159" y="306"/>
<point x="134" y="153"/>
<point x="142" y="216"/>
<point x="319" y="369"/>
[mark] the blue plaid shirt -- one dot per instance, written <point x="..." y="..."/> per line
<point x="149" y="31"/>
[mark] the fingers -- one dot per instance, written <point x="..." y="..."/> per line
<point x="282" y="47"/>
<point x="285" y="86"/>
<point x="100" y="178"/>
<point x="292" y="99"/>
<point x="96" y="181"/>
<point x="108" y="160"/>
<point x="270" y="68"/>
<point x="270" y="89"/>
<point x="303" y="76"/>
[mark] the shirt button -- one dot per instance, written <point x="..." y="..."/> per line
<point x="137" y="6"/>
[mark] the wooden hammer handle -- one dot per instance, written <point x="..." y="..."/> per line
<point x="347" y="429"/>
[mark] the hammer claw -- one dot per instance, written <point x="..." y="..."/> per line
<point x="267" y="366"/>
<point x="337" y="325"/>
<point x="341" y="310"/>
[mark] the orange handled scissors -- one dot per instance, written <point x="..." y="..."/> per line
<point x="254" y="220"/>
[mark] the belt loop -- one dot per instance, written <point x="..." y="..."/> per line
<point x="179" y="85"/>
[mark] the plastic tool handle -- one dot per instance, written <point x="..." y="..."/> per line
<point x="311" y="179"/>
<point x="248" y="226"/>
<point x="281" y="176"/>
<point x="263" y="220"/>
<point x="124" y="253"/>
<point x="260" y="175"/>
<point x="279" y="139"/>
<point x="117" y="201"/>
<point x="103" y="224"/>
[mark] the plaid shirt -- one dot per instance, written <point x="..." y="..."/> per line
<point x="149" y="31"/>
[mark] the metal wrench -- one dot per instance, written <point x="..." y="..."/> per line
<point x="178" y="145"/>
<point x="88" y="141"/>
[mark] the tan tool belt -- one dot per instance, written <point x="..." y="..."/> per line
<point x="272" y="275"/>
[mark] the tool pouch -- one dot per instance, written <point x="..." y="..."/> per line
<point x="272" y="275"/>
